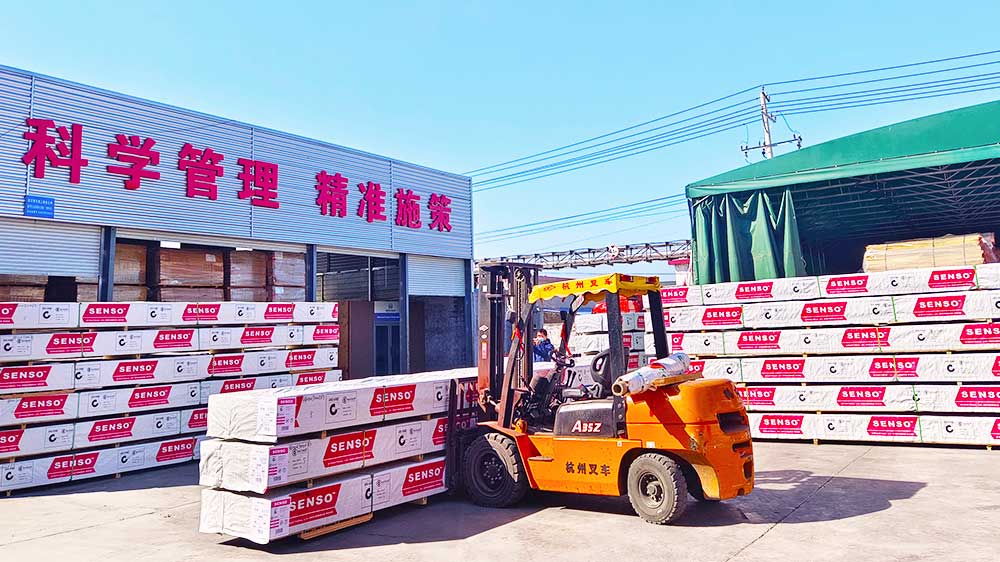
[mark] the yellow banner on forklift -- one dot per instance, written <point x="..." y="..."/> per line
<point x="593" y="288"/>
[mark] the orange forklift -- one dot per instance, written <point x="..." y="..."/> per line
<point x="546" y="431"/>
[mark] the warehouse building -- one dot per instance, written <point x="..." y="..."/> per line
<point x="103" y="196"/>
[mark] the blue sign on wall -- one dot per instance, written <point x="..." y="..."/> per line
<point x="39" y="207"/>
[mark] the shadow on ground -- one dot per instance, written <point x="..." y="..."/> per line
<point x="163" y="477"/>
<point x="788" y="496"/>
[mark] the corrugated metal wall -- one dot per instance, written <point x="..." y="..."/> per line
<point x="221" y="241"/>
<point x="433" y="276"/>
<point x="33" y="247"/>
<point x="100" y="197"/>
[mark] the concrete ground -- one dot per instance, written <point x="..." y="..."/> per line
<point x="812" y="503"/>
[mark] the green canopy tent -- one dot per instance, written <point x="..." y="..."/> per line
<point x="812" y="211"/>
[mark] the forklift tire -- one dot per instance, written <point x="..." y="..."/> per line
<point x="494" y="473"/>
<point x="657" y="489"/>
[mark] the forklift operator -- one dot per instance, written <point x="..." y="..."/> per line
<point x="542" y="347"/>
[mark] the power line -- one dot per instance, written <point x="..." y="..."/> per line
<point x="884" y="68"/>
<point x="637" y="203"/>
<point x="624" y="217"/>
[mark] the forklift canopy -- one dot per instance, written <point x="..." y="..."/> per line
<point x="594" y="288"/>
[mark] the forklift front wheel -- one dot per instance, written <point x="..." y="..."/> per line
<point x="494" y="473"/>
<point x="657" y="489"/>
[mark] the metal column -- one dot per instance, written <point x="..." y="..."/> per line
<point x="404" y="316"/>
<point x="106" y="266"/>
<point x="470" y="323"/>
<point x="311" y="272"/>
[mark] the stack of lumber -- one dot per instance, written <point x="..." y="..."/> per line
<point x="291" y="460"/>
<point x="25" y="288"/>
<point x="130" y="279"/>
<point x="91" y="389"/>
<point x="247" y="274"/>
<point x="189" y="275"/>
<point x="899" y="356"/>
<point x="944" y="251"/>
<point x="287" y="276"/>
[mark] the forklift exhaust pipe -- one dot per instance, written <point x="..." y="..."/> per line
<point x="669" y="370"/>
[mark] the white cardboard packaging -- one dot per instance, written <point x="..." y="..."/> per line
<point x="144" y="398"/>
<point x="134" y="314"/>
<point x="687" y="318"/>
<point x="588" y="343"/>
<point x="786" y="289"/>
<point x="271" y="361"/>
<point x="43" y="470"/>
<point x="707" y="343"/>
<point x="316" y="377"/>
<point x="99" y="433"/>
<point x="832" y="398"/>
<point x="36" y="378"/>
<point x="961" y="430"/>
<point x="254" y="467"/>
<point x="782" y="426"/>
<point x="316" y="312"/>
<point x="285" y="512"/>
<point x="678" y="295"/>
<point x="973" y="305"/>
<point x="57" y="345"/>
<point x="128" y="458"/>
<point x="321" y="334"/>
<point x="881" y="339"/>
<point x="910" y="281"/>
<point x="903" y="428"/>
<point x="957" y="367"/>
<point x="221" y="313"/>
<point x="598" y="323"/>
<point x="35" y="440"/>
<point x="864" y="311"/>
<point x="246" y="337"/>
<point x="224" y="386"/>
<point x="194" y="420"/>
<point x="407" y="481"/>
<point x="34" y="315"/>
<point x="37" y="408"/>
<point x="148" y="370"/>
<point x="198" y="440"/>
<point x="723" y="368"/>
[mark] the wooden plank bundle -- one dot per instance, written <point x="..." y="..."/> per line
<point x="943" y="251"/>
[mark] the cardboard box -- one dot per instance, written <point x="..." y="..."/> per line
<point x="22" y="316"/>
<point x="678" y="295"/>
<point x="910" y="281"/>
<point x="265" y="415"/>
<point x="321" y="334"/>
<point x="882" y="339"/>
<point x="35" y="440"/>
<point x="148" y="370"/>
<point x="272" y="361"/>
<point x="134" y="314"/>
<point x="955" y="398"/>
<point x="404" y="482"/>
<point x="103" y="432"/>
<point x="16" y="379"/>
<point x="249" y="337"/>
<point x="718" y="369"/>
<point x="188" y="267"/>
<point x="194" y="420"/>
<point x="598" y="323"/>
<point x="38" y="408"/>
<point x="285" y="512"/>
<point x="58" y="345"/>
<point x="960" y="430"/>
<point x="697" y="344"/>
<point x="899" y="428"/>
<point x="864" y="311"/>
<point x="255" y="467"/>
<point x="785" y="289"/>
<point x="44" y="470"/>
<point x="218" y="312"/>
<point x="225" y="386"/>
<point x="688" y="318"/>
<point x="110" y="401"/>
<point x="955" y="367"/>
<point x="128" y="458"/>
<point x="317" y="377"/>
<point x="974" y="305"/>
<point x="782" y="426"/>
<point x="832" y="398"/>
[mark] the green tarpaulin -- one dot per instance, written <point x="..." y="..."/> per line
<point x="746" y="236"/>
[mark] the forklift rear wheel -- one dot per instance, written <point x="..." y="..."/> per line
<point x="494" y="473"/>
<point x="657" y="489"/>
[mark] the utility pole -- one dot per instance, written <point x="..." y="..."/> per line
<point x="767" y="149"/>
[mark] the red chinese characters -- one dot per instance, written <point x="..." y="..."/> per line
<point x="67" y="151"/>
<point x="440" y="208"/>
<point x="137" y="154"/>
<point x="372" y="204"/>
<point x="332" y="198"/>
<point x="202" y="169"/>
<point x="407" y="208"/>
<point x="260" y="182"/>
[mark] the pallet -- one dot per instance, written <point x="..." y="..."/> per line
<point x="334" y="527"/>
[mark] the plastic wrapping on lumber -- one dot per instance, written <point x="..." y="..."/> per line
<point x="248" y="270"/>
<point x="288" y="269"/>
<point x="190" y="267"/>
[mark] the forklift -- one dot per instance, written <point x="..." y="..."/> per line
<point x="541" y="429"/>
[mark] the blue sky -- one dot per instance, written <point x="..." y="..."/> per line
<point x="460" y="85"/>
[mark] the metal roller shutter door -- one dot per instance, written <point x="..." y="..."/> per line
<point x="33" y="247"/>
<point x="435" y="277"/>
<point x="220" y="241"/>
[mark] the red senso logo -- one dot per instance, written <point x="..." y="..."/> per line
<point x="237" y="385"/>
<point x="172" y="339"/>
<point x="759" y="340"/>
<point x="781" y="424"/>
<point x="886" y="367"/>
<point x="754" y="290"/>
<point x="73" y="465"/>
<point x="927" y="307"/>
<point x="201" y="312"/>
<point x="865" y="337"/>
<point x="697" y="367"/>
<point x="393" y="400"/>
<point x="676" y="342"/>
<point x="279" y="311"/>
<point x="674" y="295"/>
<point x="150" y="396"/>
<point x="198" y="419"/>
<point x="723" y="316"/>
<point x="440" y="431"/>
<point x="944" y="278"/>
<point x="304" y="358"/>
<point x="978" y="397"/>
<point x="106" y="430"/>
<point x="24" y="377"/>
<point x="847" y="285"/>
<point x="102" y="313"/>
<point x="783" y="369"/>
<point x="980" y="334"/>
<point x="175" y="450"/>
<point x="893" y="426"/>
<point x="7" y="310"/>
<point x="64" y="343"/>
<point x="310" y="378"/>
<point x="10" y="440"/>
<point x="757" y="395"/>
<point x="350" y="447"/>
<point x="326" y="332"/>
<point x="313" y="504"/>
<point x="995" y="432"/>
<point x="135" y="370"/>
<point x="861" y="396"/>
<point x="41" y="406"/>
<point x="424" y="477"/>
<point x="221" y="364"/>
<point x="824" y="311"/>
<point x="256" y="335"/>
<point x="996" y="366"/>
